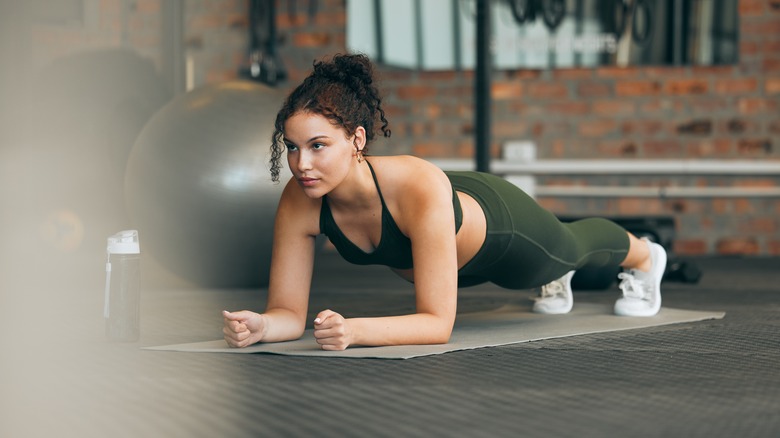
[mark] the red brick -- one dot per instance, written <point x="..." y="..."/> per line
<point x="286" y="21"/>
<point x="617" y="148"/>
<point x="737" y="246"/>
<point x="420" y="128"/>
<point x="662" y="71"/>
<point x="334" y="19"/>
<point x="640" y="206"/>
<point x="642" y="127"/>
<point x="770" y="26"/>
<point x="772" y="85"/>
<point x="690" y="246"/>
<point x="637" y="88"/>
<point x="432" y="149"/>
<point x="665" y="106"/>
<point x="754" y="8"/>
<point x="736" y="86"/>
<point x="614" y="107"/>
<point x="438" y="76"/>
<point x="593" y="89"/>
<point x="737" y="126"/>
<point x="759" y="225"/>
<point x="517" y="74"/>
<point x="569" y="108"/>
<point x="546" y="90"/>
<point x="416" y="92"/>
<point x="432" y="110"/>
<point x="771" y="65"/>
<point x="743" y="206"/>
<point x="754" y="146"/>
<point x="747" y="48"/>
<point x="311" y="39"/>
<point x="709" y="148"/>
<point x="770" y="47"/>
<point x="722" y="206"/>
<point x="460" y="92"/>
<point x="662" y="148"/>
<point x="506" y="90"/>
<point x="774" y="127"/>
<point x="509" y="128"/>
<point x="551" y="128"/>
<point x="599" y="128"/>
<point x="712" y="70"/>
<point x="753" y="105"/>
<point x="686" y="86"/>
<point x="755" y="182"/>
<point x="696" y="127"/>
<point x="527" y="110"/>
<point x="558" y="149"/>
<point x="202" y="22"/>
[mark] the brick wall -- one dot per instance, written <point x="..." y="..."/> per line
<point x="724" y="112"/>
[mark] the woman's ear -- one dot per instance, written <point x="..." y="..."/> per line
<point x="359" y="139"/>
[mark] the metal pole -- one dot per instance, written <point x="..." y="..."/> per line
<point x="173" y="45"/>
<point x="482" y="87"/>
<point x="380" y="43"/>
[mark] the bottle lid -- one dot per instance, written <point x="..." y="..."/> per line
<point x="124" y="242"/>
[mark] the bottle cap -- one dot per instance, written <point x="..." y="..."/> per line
<point x="124" y="242"/>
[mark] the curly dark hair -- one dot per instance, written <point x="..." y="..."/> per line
<point x="341" y="90"/>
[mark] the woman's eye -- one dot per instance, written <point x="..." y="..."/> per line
<point x="318" y="146"/>
<point x="291" y="148"/>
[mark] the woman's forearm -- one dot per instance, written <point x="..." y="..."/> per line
<point x="418" y="328"/>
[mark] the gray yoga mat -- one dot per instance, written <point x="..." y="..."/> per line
<point x="503" y="326"/>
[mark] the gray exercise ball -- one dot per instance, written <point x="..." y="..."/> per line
<point x="198" y="188"/>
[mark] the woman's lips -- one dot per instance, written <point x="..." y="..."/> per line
<point x="308" y="182"/>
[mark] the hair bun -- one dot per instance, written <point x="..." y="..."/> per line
<point x="354" y="71"/>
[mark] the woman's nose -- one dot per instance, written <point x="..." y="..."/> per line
<point x="304" y="161"/>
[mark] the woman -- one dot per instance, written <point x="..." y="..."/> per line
<point x="438" y="230"/>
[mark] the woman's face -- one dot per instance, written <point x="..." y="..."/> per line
<point x="320" y="154"/>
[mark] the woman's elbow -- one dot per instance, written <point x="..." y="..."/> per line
<point x="444" y="333"/>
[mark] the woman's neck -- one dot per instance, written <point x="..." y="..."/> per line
<point x="358" y="189"/>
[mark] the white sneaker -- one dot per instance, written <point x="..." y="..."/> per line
<point x="556" y="296"/>
<point x="642" y="290"/>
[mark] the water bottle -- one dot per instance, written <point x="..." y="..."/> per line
<point x="123" y="287"/>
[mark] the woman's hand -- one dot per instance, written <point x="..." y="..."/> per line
<point x="332" y="331"/>
<point x="243" y="328"/>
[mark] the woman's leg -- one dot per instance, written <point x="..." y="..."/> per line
<point x="645" y="263"/>
<point x="638" y="256"/>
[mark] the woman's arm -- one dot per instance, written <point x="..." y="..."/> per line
<point x="424" y="213"/>
<point x="292" y="264"/>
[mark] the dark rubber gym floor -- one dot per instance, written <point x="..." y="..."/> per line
<point x="717" y="378"/>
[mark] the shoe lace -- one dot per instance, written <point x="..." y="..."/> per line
<point x="631" y="286"/>
<point x="552" y="289"/>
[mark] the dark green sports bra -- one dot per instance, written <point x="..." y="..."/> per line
<point x="394" y="249"/>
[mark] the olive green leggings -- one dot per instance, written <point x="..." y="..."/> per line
<point x="527" y="246"/>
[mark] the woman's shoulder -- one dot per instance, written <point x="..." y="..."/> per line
<point x="404" y="166"/>
<point x="408" y="177"/>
